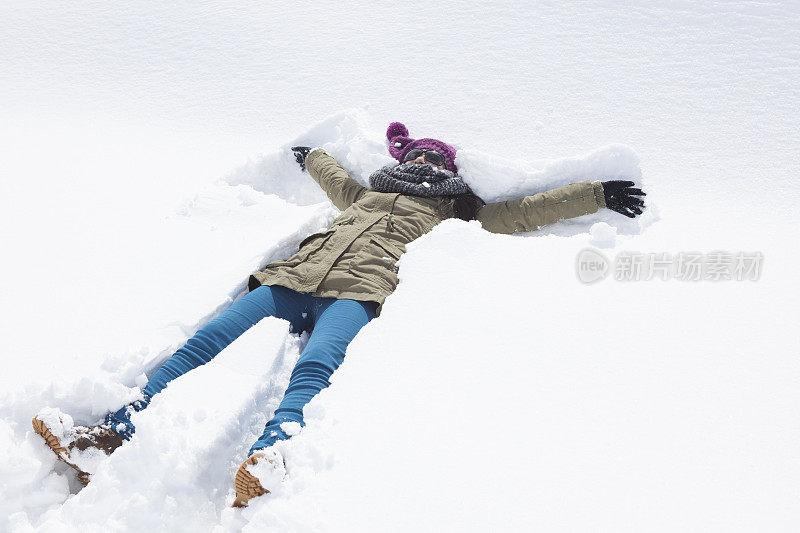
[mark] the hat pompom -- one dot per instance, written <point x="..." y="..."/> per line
<point x="396" y="129"/>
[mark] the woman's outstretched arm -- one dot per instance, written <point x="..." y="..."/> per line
<point x="532" y="212"/>
<point x="334" y="180"/>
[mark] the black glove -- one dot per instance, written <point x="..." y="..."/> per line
<point x="622" y="197"/>
<point x="300" y="154"/>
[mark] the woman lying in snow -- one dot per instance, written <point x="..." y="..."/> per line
<point x="339" y="278"/>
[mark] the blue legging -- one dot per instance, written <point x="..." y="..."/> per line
<point x="334" y="322"/>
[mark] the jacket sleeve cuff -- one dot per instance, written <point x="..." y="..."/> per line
<point x="599" y="195"/>
<point x="313" y="155"/>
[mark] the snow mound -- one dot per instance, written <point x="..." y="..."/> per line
<point x="498" y="180"/>
<point x="360" y="149"/>
<point x="345" y="135"/>
<point x="177" y="471"/>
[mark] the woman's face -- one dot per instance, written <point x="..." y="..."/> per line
<point x="420" y="160"/>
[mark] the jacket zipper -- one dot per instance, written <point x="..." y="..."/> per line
<point x="389" y="221"/>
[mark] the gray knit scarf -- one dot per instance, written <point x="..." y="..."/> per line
<point x="417" y="180"/>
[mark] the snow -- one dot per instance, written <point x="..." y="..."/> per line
<point x="291" y="428"/>
<point x="62" y="426"/>
<point x="59" y="423"/>
<point x="604" y="235"/>
<point x="146" y="170"/>
<point x="270" y="470"/>
<point x="184" y="465"/>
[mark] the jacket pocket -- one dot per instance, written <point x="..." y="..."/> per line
<point x="312" y="243"/>
<point x="390" y="252"/>
<point x="308" y="246"/>
<point x="377" y="261"/>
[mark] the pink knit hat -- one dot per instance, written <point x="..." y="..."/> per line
<point x="399" y="144"/>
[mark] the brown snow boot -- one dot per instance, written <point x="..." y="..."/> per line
<point x="247" y="484"/>
<point x="72" y="444"/>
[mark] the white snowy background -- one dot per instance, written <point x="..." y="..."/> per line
<point x="145" y="171"/>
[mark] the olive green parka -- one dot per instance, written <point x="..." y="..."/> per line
<point x="356" y="257"/>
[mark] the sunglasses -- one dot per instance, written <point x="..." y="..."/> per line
<point x="431" y="156"/>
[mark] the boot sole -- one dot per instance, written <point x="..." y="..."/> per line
<point x="54" y="444"/>
<point x="247" y="485"/>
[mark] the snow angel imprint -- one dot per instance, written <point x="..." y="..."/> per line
<point x="338" y="281"/>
